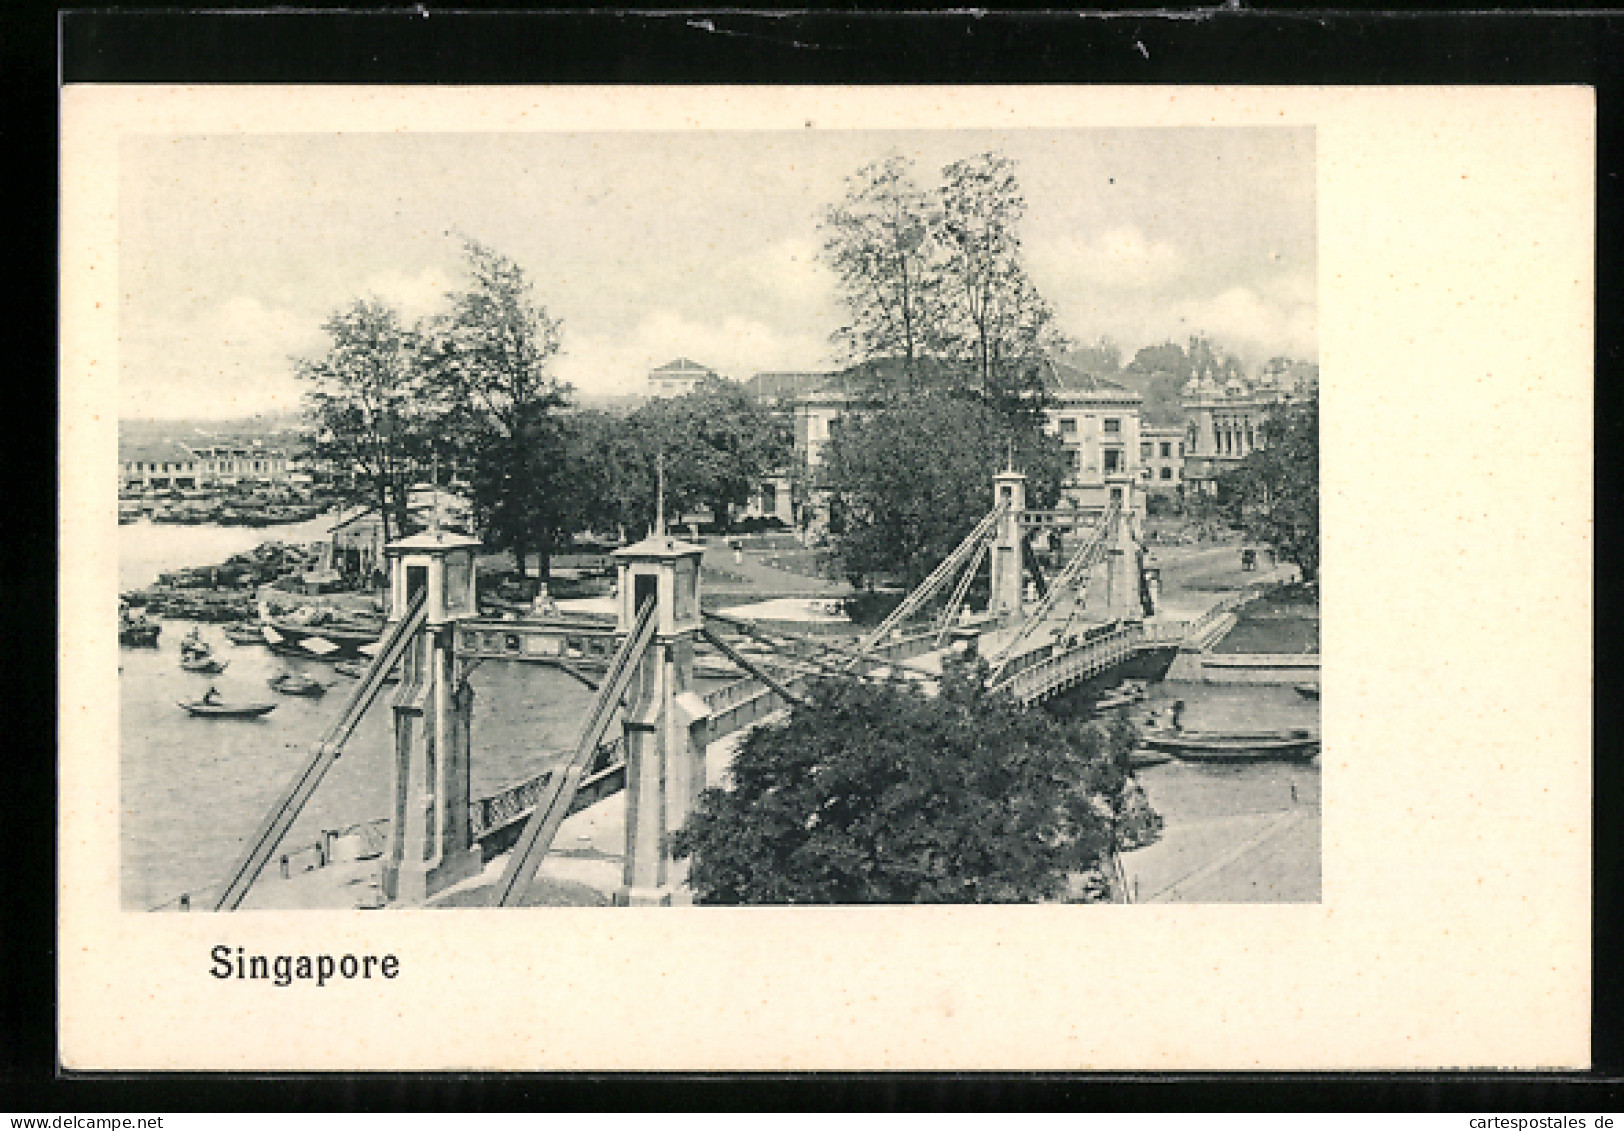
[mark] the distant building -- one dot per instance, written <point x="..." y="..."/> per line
<point x="231" y="465"/>
<point x="1097" y="422"/>
<point x="675" y="378"/>
<point x="1161" y="458"/>
<point x="1224" y="420"/>
<point x="774" y="388"/>
<point x="158" y="466"/>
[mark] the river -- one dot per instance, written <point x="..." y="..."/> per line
<point x="192" y="789"/>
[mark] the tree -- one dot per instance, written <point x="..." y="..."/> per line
<point x="717" y="442"/>
<point x="910" y="481"/>
<point x="879" y="243"/>
<point x="490" y="356"/>
<point x="612" y="463"/>
<point x="1274" y="493"/>
<point x="368" y="402"/>
<point x="998" y="325"/>
<point x="879" y="794"/>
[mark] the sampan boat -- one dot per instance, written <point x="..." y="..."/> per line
<point x="205" y="665"/>
<point x="1215" y="746"/>
<point x="222" y="710"/>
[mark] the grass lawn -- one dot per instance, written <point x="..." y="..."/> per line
<point x="1285" y="621"/>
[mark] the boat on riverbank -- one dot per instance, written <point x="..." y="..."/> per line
<point x="296" y="683"/>
<point x="199" y="708"/>
<point x="135" y="630"/>
<point x="356" y="669"/>
<point x="1235" y="746"/>
<point x="247" y="633"/>
<point x="1308" y="690"/>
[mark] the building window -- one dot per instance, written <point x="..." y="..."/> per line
<point x="1113" y="460"/>
<point x="1068" y="426"/>
<point x="1167" y="451"/>
<point x="769" y="499"/>
<point x="1144" y="450"/>
<point x="1167" y="473"/>
<point x="1113" y="426"/>
<point x="1075" y="458"/>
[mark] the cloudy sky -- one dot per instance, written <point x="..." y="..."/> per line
<point x="650" y="246"/>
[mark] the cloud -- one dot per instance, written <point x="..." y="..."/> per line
<point x="226" y="359"/>
<point x="1253" y="324"/>
<point x="414" y="295"/>
<point x="1117" y="259"/>
<point x="734" y="346"/>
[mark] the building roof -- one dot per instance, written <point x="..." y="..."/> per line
<point x="1065" y="379"/>
<point x="773" y="385"/>
<point x="680" y="366"/>
<point x="159" y="451"/>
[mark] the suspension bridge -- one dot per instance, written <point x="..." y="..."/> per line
<point x="1040" y="634"/>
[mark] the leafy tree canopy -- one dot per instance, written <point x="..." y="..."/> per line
<point x="1274" y="493"/>
<point x="490" y="357"/>
<point x="908" y="482"/>
<point x="717" y="444"/>
<point x="878" y="794"/>
<point x="368" y="400"/>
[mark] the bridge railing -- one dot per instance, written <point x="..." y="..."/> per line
<point x="1058" y="671"/>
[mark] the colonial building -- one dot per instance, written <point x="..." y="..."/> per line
<point x="1097" y="422"/>
<point x="160" y="466"/>
<point x="1224" y="421"/>
<point x="229" y="465"/>
<point x="1161" y="458"/>
<point x="675" y="378"/>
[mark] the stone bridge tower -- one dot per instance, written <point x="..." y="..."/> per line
<point x="431" y="842"/>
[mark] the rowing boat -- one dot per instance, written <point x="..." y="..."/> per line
<point x="200" y="709"/>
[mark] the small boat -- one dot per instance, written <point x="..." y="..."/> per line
<point x="1130" y="691"/>
<point x="1308" y="690"/>
<point x="204" y="665"/>
<point x="356" y="670"/>
<point x="1143" y="756"/>
<point x="244" y="634"/>
<point x="139" y="633"/>
<point x="193" y="647"/>
<point x="222" y="710"/>
<point x="1216" y="746"/>
<point x="296" y="683"/>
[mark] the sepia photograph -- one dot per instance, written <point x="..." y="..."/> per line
<point x="825" y="578"/>
<point x="732" y="518"/>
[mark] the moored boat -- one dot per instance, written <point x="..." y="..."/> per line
<point x="200" y="708"/>
<point x="1308" y="690"/>
<point x="1218" y="746"/>
<point x="296" y="683"/>
<point x="204" y="665"/>
<point x="139" y="632"/>
<point x="356" y="669"/>
<point x="193" y="647"/>
<point x="245" y="634"/>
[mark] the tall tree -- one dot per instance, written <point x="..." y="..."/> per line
<point x="1274" y="493"/>
<point x="967" y="797"/>
<point x="999" y="327"/>
<point x="717" y="442"/>
<point x="367" y="400"/>
<point x="879" y="242"/>
<point x="910" y="481"/>
<point x="491" y="355"/>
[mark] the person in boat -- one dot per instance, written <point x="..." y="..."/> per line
<point x="212" y="695"/>
<point x="544" y="605"/>
<point x="1178" y="714"/>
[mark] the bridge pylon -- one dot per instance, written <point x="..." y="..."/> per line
<point x="665" y="719"/>
<point x="431" y="843"/>
<point x="1007" y="588"/>
<point x="1122" y="585"/>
